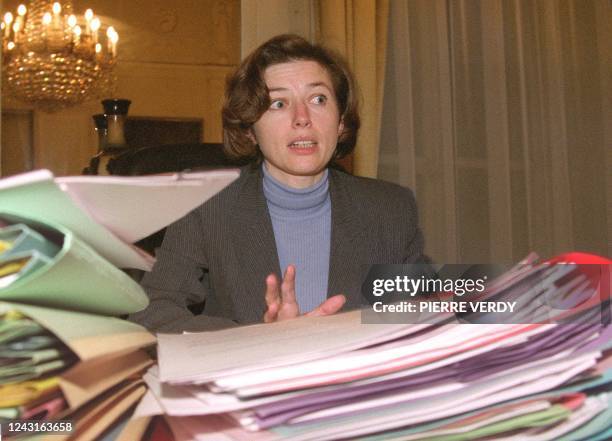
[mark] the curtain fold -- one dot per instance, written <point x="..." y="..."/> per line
<point x="357" y="29"/>
<point x="498" y="114"/>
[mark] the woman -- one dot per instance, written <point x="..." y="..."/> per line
<point x="291" y="107"/>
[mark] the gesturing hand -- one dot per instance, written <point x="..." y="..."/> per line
<point x="281" y="302"/>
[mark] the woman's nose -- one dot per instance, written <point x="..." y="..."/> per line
<point x="301" y="115"/>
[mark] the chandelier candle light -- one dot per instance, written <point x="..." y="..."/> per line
<point x="51" y="59"/>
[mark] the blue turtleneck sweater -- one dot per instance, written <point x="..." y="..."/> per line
<point x="301" y="220"/>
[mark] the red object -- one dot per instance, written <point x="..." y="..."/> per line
<point x="580" y="258"/>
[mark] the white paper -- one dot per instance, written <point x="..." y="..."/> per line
<point x="455" y="339"/>
<point x="524" y="371"/>
<point x="204" y="356"/>
<point x="148" y="406"/>
<point x="197" y="400"/>
<point x="478" y="395"/>
<point x="136" y="207"/>
<point x="109" y="212"/>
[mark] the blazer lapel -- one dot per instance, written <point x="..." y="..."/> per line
<point x="253" y="240"/>
<point x="255" y="247"/>
<point x="347" y="245"/>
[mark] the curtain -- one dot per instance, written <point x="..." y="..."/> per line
<point x="357" y="29"/>
<point x="497" y="113"/>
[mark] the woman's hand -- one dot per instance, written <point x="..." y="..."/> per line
<point x="282" y="305"/>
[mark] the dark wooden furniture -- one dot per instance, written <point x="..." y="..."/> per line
<point x="171" y="158"/>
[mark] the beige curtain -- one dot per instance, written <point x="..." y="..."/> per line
<point x="498" y="114"/>
<point x="358" y="30"/>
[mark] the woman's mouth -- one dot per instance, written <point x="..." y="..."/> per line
<point x="302" y="144"/>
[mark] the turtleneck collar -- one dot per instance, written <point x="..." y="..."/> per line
<point x="286" y="200"/>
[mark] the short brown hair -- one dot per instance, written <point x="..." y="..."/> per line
<point x="247" y="96"/>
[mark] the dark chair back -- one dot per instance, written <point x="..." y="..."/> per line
<point x="171" y="158"/>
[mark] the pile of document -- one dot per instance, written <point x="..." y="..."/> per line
<point x="64" y="353"/>
<point x="333" y="378"/>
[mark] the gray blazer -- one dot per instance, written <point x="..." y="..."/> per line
<point x="222" y="251"/>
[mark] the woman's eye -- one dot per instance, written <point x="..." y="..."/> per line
<point x="319" y="99"/>
<point x="277" y="104"/>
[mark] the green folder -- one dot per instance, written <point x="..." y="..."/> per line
<point x="29" y="343"/>
<point x="36" y="195"/>
<point x="28" y="358"/>
<point x="89" y="336"/>
<point x="11" y="330"/>
<point x="543" y="418"/>
<point x="23" y="238"/>
<point x="30" y="372"/>
<point x="76" y="278"/>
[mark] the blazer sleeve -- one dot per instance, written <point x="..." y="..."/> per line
<point x="179" y="279"/>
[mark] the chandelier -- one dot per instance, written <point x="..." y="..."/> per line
<point x="52" y="59"/>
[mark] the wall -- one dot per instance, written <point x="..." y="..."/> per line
<point x="173" y="58"/>
<point x="263" y="19"/>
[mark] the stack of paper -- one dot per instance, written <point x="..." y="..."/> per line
<point x="111" y="212"/>
<point x="331" y="378"/>
<point x="63" y="356"/>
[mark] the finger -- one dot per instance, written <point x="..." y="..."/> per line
<point x="271" y="313"/>
<point x="272" y="297"/>
<point x="288" y="286"/>
<point x="329" y="306"/>
<point x="289" y="307"/>
<point x="272" y="290"/>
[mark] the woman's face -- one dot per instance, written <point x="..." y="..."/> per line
<point x="298" y="133"/>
